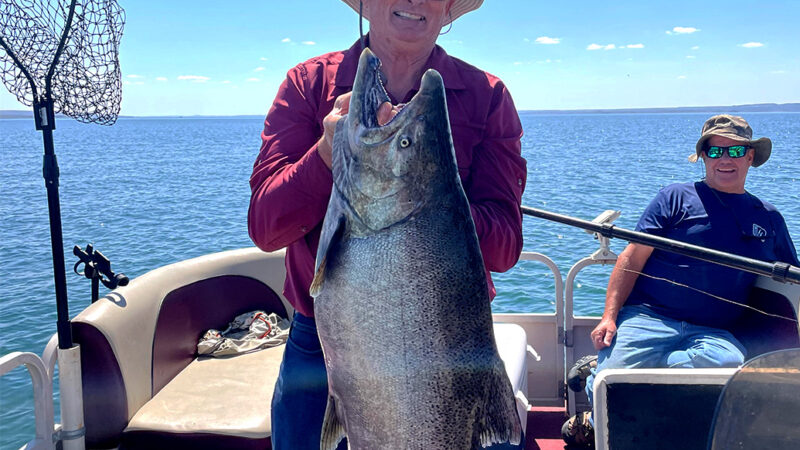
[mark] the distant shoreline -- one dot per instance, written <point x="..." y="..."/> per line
<point x="750" y="108"/>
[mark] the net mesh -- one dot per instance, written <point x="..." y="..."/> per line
<point x="86" y="82"/>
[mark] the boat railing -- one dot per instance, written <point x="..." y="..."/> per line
<point x="548" y="376"/>
<point x="42" y="395"/>
<point x="603" y="256"/>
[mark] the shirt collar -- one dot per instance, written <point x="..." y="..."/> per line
<point x="438" y="60"/>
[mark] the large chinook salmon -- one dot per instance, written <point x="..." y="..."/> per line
<point x="401" y="298"/>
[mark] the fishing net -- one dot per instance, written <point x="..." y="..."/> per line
<point x="66" y="52"/>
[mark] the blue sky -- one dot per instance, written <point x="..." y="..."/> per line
<point x="182" y="57"/>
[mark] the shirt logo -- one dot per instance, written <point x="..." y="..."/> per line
<point x="759" y="231"/>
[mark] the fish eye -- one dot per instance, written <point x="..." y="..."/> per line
<point x="405" y="142"/>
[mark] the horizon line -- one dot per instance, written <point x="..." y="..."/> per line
<point x="750" y="107"/>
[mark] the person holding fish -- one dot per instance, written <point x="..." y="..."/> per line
<point x="651" y="319"/>
<point x="291" y="181"/>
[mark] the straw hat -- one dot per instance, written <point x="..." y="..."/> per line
<point x="736" y="128"/>
<point x="459" y="8"/>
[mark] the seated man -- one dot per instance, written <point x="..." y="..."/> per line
<point x="663" y="323"/>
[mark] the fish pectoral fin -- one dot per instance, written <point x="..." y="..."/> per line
<point x="332" y="429"/>
<point x="332" y="229"/>
<point x="500" y="423"/>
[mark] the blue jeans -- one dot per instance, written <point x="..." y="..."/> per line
<point x="301" y="392"/>
<point x="648" y="340"/>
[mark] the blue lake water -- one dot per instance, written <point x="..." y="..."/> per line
<point x="152" y="191"/>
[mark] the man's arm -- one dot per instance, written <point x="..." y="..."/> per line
<point x="620" y="285"/>
<point x="498" y="175"/>
<point x="291" y="181"/>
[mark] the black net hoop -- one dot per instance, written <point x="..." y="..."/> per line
<point x="66" y="52"/>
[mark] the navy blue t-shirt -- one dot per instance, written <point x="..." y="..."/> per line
<point x="696" y="214"/>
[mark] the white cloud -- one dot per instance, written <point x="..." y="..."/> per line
<point x="161" y="78"/>
<point x="258" y="69"/>
<point x="547" y="40"/>
<point x="309" y="43"/>
<point x="194" y="78"/>
<point x="286" y="40"/>
<point x="683" y="30"/>
<point x="253" y="80"/>
<point x="263" y="59"/>
<point x="601" y="47"/>
<point x="518" y="63"/>
<point x="226" y="82"/>
<point x="696" y="47"/>
<point x="778" y="72"/>
<point x="635" y="46"/>
<point x="682" y="77"/>
<point x="691" y="56"/>
<point x="751" y="45"/>
<point x="525" y="40"/>
<point x="134" y="76"/>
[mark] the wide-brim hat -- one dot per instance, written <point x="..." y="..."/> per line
<point x="736" y="128"/>
<point x="459" y="8"/>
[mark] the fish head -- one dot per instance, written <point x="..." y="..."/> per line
<point x="389" y="172"/>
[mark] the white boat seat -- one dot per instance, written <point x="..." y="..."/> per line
<point x="224" y="400"/>
<point x="630" y="405"/>
<point x="512" y="344"/>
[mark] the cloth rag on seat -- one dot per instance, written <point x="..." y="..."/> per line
<point x="247" y="332"/>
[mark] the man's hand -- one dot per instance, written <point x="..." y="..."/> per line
<point x="325" y="145"/>
<point x="341" y="106"/>
<point x="604" y="333"/>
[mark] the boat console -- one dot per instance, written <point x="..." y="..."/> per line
<point x="656" y="408"/>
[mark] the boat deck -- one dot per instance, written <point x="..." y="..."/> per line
<point x="544" y="428"/>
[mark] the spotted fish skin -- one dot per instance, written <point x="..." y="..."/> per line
<point x="401" y="298"/>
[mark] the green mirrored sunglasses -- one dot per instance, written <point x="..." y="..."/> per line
<point x="734" y="151"/>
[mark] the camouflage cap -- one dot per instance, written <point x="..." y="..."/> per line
<point x="459" y="8"/>
<point x="736" y="128"/>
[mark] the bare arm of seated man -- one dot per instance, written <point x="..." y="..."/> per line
<point x="620" y="284"/>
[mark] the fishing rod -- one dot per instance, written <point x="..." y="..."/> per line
<point x="779" y="271"/>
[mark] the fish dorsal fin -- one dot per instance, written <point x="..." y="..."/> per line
<point x="332" y="429"/>
<point x="332" y="230"/>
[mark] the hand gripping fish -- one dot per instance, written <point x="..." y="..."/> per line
<point x="401" y="299"/>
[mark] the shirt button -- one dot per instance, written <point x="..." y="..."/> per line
<point x="304" y="229"/>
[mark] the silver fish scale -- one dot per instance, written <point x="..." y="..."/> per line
<point x="407" y="326"/>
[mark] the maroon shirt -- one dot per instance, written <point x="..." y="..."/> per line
<point x="291" y="184"/>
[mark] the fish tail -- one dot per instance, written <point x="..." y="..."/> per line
<point x="500" y="423"/>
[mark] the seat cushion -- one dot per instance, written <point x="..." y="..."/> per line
<point x="512" y="345"/>
<point x="228" y="398"/>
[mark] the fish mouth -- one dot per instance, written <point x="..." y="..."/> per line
<point x="369" y="89"/>
<point x="369" y="94"/>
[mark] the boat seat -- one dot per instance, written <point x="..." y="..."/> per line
<point x="630" y="407"/>
<point x="512" y="345"/>
<point x="212" y="403"/>
<point x="143" y="384"/>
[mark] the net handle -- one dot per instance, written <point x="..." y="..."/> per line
<point x="20" y="66"/>
<point x="67" y="27"/>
